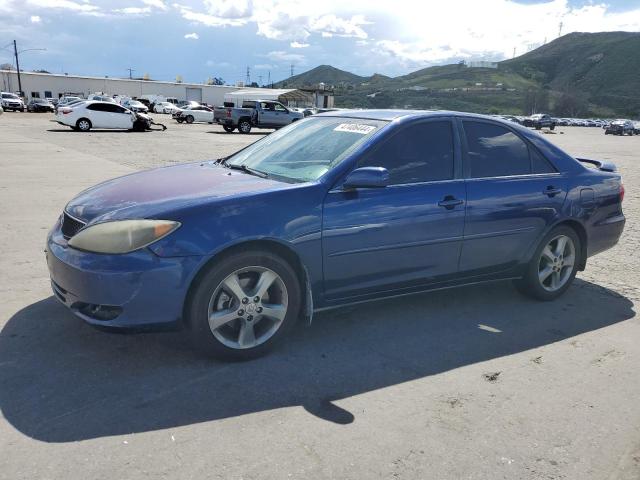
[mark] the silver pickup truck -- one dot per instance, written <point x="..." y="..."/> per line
<point x="259" y="113"/>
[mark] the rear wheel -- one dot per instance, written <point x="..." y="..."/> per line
<point x="553" y="266"/>
<point x="228" y="129"/>
<point x="244" y="126"/>
<point x="84" y="125"/>
<point x="189" y="119"/>
<point x="244" y="305"/>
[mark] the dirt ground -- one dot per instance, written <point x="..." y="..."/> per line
<point x="473" y="383"/>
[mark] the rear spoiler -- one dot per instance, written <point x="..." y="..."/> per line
<point x="600" y="165"/>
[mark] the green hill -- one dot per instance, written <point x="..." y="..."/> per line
<point x="578" y="74"/>
<point x="321" y="74"/>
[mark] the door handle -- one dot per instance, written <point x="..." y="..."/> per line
<point x="552" y="191"/>
<point x="449" y="202"/>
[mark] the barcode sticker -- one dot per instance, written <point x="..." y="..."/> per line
<point x="354" y="128"/>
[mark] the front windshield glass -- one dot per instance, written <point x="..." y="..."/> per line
<point x="307" y="149"/>
<point x="10" y="95"/>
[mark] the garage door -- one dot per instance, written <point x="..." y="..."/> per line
<point x="194" y="94"/>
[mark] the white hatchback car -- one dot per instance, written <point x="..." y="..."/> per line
<point x="165" y="107"/>
<point x="87" y="115"/>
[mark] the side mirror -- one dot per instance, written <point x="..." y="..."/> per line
<point x="367" y="177"/>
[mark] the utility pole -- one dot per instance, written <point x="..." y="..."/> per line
<point x="560" y="29"/>
<point x="15" y="51"/>
<point x="131" y="70"/>
<point x="291" y="70"/>
<point x="247" y="80"/>
<point x="259" y="80"/>
<point x="514" y="52"/>
<point x="269" y="80"/>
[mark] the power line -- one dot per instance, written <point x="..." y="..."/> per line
<point x="131" y="70"/>
<point x="248" y="79"/>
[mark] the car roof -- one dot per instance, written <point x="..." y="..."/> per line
<point x="390" y="115"/>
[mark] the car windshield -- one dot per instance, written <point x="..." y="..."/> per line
<point x="307" y="149"/>
<point x="10" y="95"/>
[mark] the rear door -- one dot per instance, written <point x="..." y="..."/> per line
<point x="513" y="195"/>
<point x="403" y="235"/>
<point x="98" y="115"/>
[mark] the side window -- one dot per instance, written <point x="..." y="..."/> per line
<point x="279" y="108"/>
<point x="539" y="164"/>
<point x="494" y="151"/>
<point x="418" y="153"/>
<point x="97" y="107"/>
<point x="113" y="108"/>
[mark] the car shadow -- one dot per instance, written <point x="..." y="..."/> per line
<point x="238" y="133"/>
<point x="93" y="130"/>
<point x="63" y="381"/>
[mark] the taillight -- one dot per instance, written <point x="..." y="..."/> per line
<point x="66" y="110"/>
<point x="228" y="113"/>
<point x="621" y="192"/>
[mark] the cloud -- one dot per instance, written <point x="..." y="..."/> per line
<point x="234" y="9"/>
<point x="211" y="63"/>
<point x="192" y="36"/>
<point x="282" y="56"/>
<point x="264" y="66"/>
<point x="134" y="10"/>
<point x="84" y="7"/>
<point x="207" y="19"/>
<point x="159" y="4"/>
<point x="35" y="19"/>
<point x="298" y="45"/>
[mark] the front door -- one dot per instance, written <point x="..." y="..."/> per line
<point x="406" y="234"/>
<point x="513" y="194"/>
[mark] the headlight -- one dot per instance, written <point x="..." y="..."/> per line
<point x="122" y="236"/>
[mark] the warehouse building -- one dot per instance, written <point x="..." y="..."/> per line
<point x="48" y="85"/>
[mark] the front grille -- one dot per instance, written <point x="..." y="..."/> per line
<point x="70" y="226"/>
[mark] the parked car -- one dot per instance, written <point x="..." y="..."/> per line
<point x="620" y="127"/>
<point x="540" y="120"/>
<point x="84" y="116"/>
<point x="187" y="103"/>
<point x="101" y="98"/>
<point x="67" y="100"/>
<point x="39" y="105"/>
<point x="333" y="209"/>
<point x="165" y="107"/>
<point x="52" y="101"/>
<point x="135" y="106"/>
<point x="261" y="114"/>
<point x="11" y="101"/>
<point x="194" y="114"/>
<point x="1" y="110"/>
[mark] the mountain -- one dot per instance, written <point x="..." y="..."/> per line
<point x="321" y="74"/>
<point x="579" y="74"/>
<point x="603" y="68"/>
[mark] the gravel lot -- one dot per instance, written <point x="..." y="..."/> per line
<point x="474" y="383"/>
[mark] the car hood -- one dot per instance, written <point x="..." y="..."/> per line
<point x="154" y="192"/>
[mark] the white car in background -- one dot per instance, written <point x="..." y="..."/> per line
<point x="135" y="106"/>
<point x="11" y="101"/>
<point x="194" y="114"/>
<point x="165" y="107"/>
<point x="92" y="114"/>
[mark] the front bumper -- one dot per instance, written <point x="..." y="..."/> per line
<point x="128" y="291"/>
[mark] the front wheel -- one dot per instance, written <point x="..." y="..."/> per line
<point x="244" y="126"/>
<point x="553" y="266"/>
<point x="228" y="129"/>
<point x="189" y="119"/>
<point x="244" y="305"/>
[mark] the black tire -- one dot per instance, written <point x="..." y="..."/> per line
<point x="198" y="303"/>
<point x="538" y="127"/>
<point x="179" y="120"/>
<point x="244" y="126"/>
<point x="189" y="119"/>
<point x="228" y="129"/>
<point x="530" y="284"/>
<point x="83" y="125"/>
<point x="552" y="127"/>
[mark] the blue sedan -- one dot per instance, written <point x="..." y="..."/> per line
<point x="331" y="210"/>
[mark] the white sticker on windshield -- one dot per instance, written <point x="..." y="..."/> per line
<point x="354" y="128"/>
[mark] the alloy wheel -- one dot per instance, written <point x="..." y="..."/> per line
<point x="556" y="263"/>
<point x="248" y="307"/>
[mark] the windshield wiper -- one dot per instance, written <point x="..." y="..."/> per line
<point x="247" y="169"/>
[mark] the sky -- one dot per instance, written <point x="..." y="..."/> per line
<point x="201" y="39"/>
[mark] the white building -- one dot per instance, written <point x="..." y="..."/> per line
<point x="49" y="85"/>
